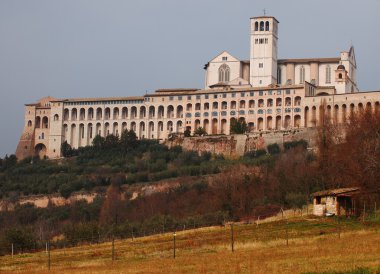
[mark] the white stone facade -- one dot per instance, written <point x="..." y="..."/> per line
<point x="289" y="96"/>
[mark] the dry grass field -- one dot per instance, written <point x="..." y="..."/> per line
<point x="313" y="246"/>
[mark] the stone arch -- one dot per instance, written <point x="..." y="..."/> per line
<point x="161" y="112"/>
<point x="214" y="126"/>
<point x="56" y="117"/>
<point x="81" y="135"/>
<point x="107" y="113"/>
<point x="336" y="114"/>
<point x="297" y="121"/>
<point x="98" y="129"/>
<point x="90" y="134"/>
<point x="152" y="112"/>
<point x="251" y="104"/>
<point x="38" y="122"/>
<point x="74" y="114"/>
<point x="269" y="123"/>
<point x="287" y="122"/>
<point x="189" y="107"/>
<point x="116" y="113"/>
<point x="206" y="125"/>
<point x="197" y="124"/>
<point x="65" y="132"/>
<point x="133" y="126"/>
<point x="82" y="114"/>
<point x="179" y="126"/>
<point x="180" y="111"/>
<point x="278" y="122"/>
<point x="142" y="112"/>
<point x="90" y="114"/>
<point x="133" y="112"/>
<point x="170" y="112"/>
<point x="123" y="126"/>
<point x="160" y="129"/>
<point x="115" y="129"/>
<point x="233" y="105"/>
<point x="73" y="134"/>
<point x="40" y="150"/>
<point x="260" y="123"/>
<point x="344" y="113"/>
<point x="106" y="129"/>
<point x="278" y="102"/>
<point x="45" y="122"/>
<point x="150" y="129"/>
<point x="124" y="113"/>
<point x="223" y="126"/>
<point x="30" y="123"/>
<point x="242" y="104"/>
<point x="66" y="114"/>
<point x="99" y="114"/>
<point x="142" y="130"/>
<point x="169" y="126"/>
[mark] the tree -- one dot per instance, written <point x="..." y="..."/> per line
<point x="238" y="127"/>
<point x="200" y="131"/>
<point x="66" y="149"/>
<point x="187" y="132"/>
<point x="111" y="208"/>
<point x="98" y="141"/>
<point x="128" y="139"/>
<point x="111" y="141"/>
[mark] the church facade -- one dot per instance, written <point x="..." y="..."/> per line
<point x="267" y="92"/>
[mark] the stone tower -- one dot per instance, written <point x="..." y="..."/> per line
<point x="263" y="52"/>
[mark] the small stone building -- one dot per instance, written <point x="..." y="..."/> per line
<point x="339" y="201"/>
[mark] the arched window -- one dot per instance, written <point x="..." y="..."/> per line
<point x="256" y="26"/>
<point x="340" y="76"/>
<point x="302" y="74"/>
<point x="262" y="26"/>
<point x="267" y="26"/>
<point x="29" y="123"/>
<point x="224" y="73"/>
<point x="279" y="80"/>
<point x="56" y="117"/>
<point x="328" y="75"/>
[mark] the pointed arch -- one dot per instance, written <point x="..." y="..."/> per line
<point x="224" y="73"/>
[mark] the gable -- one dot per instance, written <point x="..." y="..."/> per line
<point x="221" y="58"/>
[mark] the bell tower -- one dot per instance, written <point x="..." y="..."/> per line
<point x="263" y="51"/>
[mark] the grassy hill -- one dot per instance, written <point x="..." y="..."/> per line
<point x="314" y="246"/>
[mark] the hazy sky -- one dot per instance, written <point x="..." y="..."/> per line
<point x="93" y="48"/>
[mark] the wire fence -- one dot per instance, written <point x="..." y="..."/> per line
<point x="283" y="228"/>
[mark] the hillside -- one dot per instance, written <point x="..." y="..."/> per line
<point x="314" y="246"/>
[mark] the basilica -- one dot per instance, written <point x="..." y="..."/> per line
<point x="268" y="93"/>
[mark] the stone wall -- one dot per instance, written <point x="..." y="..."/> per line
<point x="238" y="145"/>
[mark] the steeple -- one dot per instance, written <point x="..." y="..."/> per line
<point x="263" y="55"/>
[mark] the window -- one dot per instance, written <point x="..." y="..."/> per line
<point x="224" y="58"/>
<point x="340" y="76"/>
<point x="206" y="96"/>
<point x="215" y="96"/>
<point x="302" y="74"/>
<point x="224" y="73"/>
<point x="256" y="26"/>
<point x="261" y="65"/>
<point x="261" y="26"/>
<point x="328" y="75"/>
<point x="242" y="94"/>
<point x="267" y="26"/>
<point x="179" y="98"/>
<point x="189" y="97"/>
<point x="198" y="97"/>
<point x="279" y="78"/>
<point x="171" y="98"/>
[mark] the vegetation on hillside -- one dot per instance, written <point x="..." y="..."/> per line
<point x="259" y="183"/>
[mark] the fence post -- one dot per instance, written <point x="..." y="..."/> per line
<point x="232" y="237"/>
<point x="287" y="233"/>
<point x="48" y="245"/>
<point x="174" y="244"/>
<point x="12" y="250"/>
<point x="364" y="212"/>
<point x="113" y="248"/>
<point x="339" y="226"/>
<point x="46" y="248"/>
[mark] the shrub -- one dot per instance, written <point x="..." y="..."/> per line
<point x="273" y="149"/>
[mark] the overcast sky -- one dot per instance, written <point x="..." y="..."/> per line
<point x="78" y="48"/>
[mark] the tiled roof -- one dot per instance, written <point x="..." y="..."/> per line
<point x="337" y="192"/>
